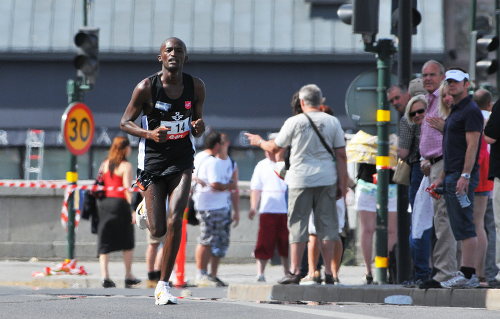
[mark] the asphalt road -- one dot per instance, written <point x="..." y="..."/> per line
<point x="21" y="302"/>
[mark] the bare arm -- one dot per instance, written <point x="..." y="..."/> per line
<point x="197" y="122"/>
<point x="221" y="187"/>
<point x="489" y="140"/>
<point x="341" y="163"/>
<point x="254" y="202"/>
<point x="127" y="180"/>
<point x="403" y="153"/>
<point x="140" y="101"/>
<point x="235" y="198"/>
<point x="256" y="140"/>
<point x="436" y="123"/>
<point x="472" y="139"/>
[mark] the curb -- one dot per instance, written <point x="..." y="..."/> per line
<point x="471" y="298"/>
<point x="58" y="282"/>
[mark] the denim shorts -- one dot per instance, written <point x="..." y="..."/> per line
<point x="461" y="219"/>
<point x="366" y="197"/>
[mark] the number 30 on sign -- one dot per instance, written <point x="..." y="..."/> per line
<point x="78" y="126"/>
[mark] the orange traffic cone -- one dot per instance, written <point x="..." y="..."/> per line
<point x="180" y="261"/>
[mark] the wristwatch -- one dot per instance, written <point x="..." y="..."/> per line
<point x="465" y="175"/>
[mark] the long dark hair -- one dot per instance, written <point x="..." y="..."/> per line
<point x="295" y="104"/>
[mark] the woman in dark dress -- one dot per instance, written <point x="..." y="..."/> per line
<point x="115" y="230"/>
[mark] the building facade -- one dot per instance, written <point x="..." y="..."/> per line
<point x="252" y="55"/>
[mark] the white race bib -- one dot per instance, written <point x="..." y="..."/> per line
<point x="178" y="129"/>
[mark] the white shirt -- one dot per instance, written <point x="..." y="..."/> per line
<point x="310" y="163"/>
<point x="273" y="188"/>
<point x="213" y="170"/>
<point x="198" y="159"/>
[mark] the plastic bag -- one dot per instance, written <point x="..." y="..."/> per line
<point x="423" y="210"/>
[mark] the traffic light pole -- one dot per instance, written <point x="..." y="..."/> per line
<point x="74" y="90"/>
<point x="384" y="50"/>
<point x="74" y="95"/>
<point x="404" y="73"/>
<point x="497" y="33"/>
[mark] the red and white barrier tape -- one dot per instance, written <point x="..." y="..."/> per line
<point x="93" y="188"/>
<point x="69" y="189"/>
<point x="49" y="185"/>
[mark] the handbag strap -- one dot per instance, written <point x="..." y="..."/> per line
<point x="320" y="137"/>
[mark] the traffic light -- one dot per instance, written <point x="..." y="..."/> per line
<point x="86" y="60"/>
<point x="482" y="43"/>
<point x="416" y="17"/>
<point x="484" y="65"/>
<point x="363" y="15"/>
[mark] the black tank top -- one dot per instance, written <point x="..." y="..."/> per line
<point x="176" y="154"/>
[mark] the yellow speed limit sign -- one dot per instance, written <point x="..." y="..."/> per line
<point x="77" y="126"/>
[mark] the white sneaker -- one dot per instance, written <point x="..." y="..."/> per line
<point x="163" y="295"/>
<point x="457" y="281"/>
<point x="261" y="278"/>
<point x="204" y="281"/>
<point x="308" y="281"/>
<point x="141" y="215"/>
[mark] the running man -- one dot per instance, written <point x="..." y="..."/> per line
<point x="171" y="103"/>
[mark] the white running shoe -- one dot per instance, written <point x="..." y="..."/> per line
<point x="141" y="215"/>
<point x="204" y="281"/>
<point x="457" y="281"/>
<point x="308" y="281"/>
<point x="163" y="295"/>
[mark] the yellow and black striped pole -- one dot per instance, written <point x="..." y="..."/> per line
<point x="384" y="49"/>
<point x="72" y="179"/>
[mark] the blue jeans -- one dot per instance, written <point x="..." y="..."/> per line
<point x="416" y="176"/>
<point x="461" y="219"/>
<point x="421" y="249"/>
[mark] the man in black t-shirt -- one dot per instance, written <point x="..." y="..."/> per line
<point x="462" y="132"/>
<point x="171" y="104"/>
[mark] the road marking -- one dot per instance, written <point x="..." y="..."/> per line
<point x="309" y="311"/>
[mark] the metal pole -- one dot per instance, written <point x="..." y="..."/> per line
<point x="404" y="73"/>
<point x="472" y="43"/>
<point x="74" y="90"/>
<point x="71" y="178"/>
<point x="385" y="49"/>
<point x="497" y="33"/>
<point x="85" y="12"/>
<point x="74" y="94"/>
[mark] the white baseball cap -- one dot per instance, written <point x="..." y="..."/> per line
<point x="456" y="75"/>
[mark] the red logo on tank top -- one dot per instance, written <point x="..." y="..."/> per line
<point x="187" y="105"/>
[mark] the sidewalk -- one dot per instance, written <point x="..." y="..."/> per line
<point x="19" y="273"/>
<point x="242" y="285"/>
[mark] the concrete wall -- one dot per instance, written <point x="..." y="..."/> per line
<point x="30" y="227"/>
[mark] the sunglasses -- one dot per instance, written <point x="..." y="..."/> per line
<point x="412" y="114"/>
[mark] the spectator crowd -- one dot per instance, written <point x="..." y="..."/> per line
<point x="449" y="158"/>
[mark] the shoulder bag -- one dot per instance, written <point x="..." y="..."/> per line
<point x="315" y="128"/>
<point x="402" y="173"/>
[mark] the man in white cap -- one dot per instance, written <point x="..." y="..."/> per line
<point x="462" y="131"/>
